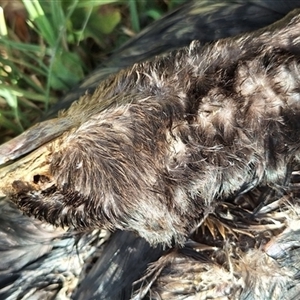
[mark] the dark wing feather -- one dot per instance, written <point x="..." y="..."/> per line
<point x="39" y="260"/>
<point x="124" y="259"/>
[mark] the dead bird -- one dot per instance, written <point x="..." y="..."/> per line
<point x="242" y="192"/>
<point x="172" y="136"/>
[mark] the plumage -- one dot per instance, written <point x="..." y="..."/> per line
<point x="39" y="261"/>
<point x="238" y="253"/>
<point x="190" y="128"/>
<point x="196" y="150"/>
<point x="205" y="20"/>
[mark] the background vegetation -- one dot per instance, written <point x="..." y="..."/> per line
<point x="47" y="46"/>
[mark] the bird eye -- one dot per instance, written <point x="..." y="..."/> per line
<point x="36" y="179"/>
<point x="40" y="179"/>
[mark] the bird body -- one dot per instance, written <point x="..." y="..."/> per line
<point x="196" y="151"/>
<point x="171" y="136"/>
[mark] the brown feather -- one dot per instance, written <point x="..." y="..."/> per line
<point x="172" y="137"/>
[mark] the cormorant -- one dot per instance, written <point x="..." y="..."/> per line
<point x="196" y="151"/>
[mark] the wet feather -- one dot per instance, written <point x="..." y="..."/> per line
<point x="219" y="155"/>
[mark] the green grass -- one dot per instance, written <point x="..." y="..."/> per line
<point x="54" y="45"/>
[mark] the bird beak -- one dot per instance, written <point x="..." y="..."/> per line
<point x="29" y="153"/>
<point x="32" y="139"/>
